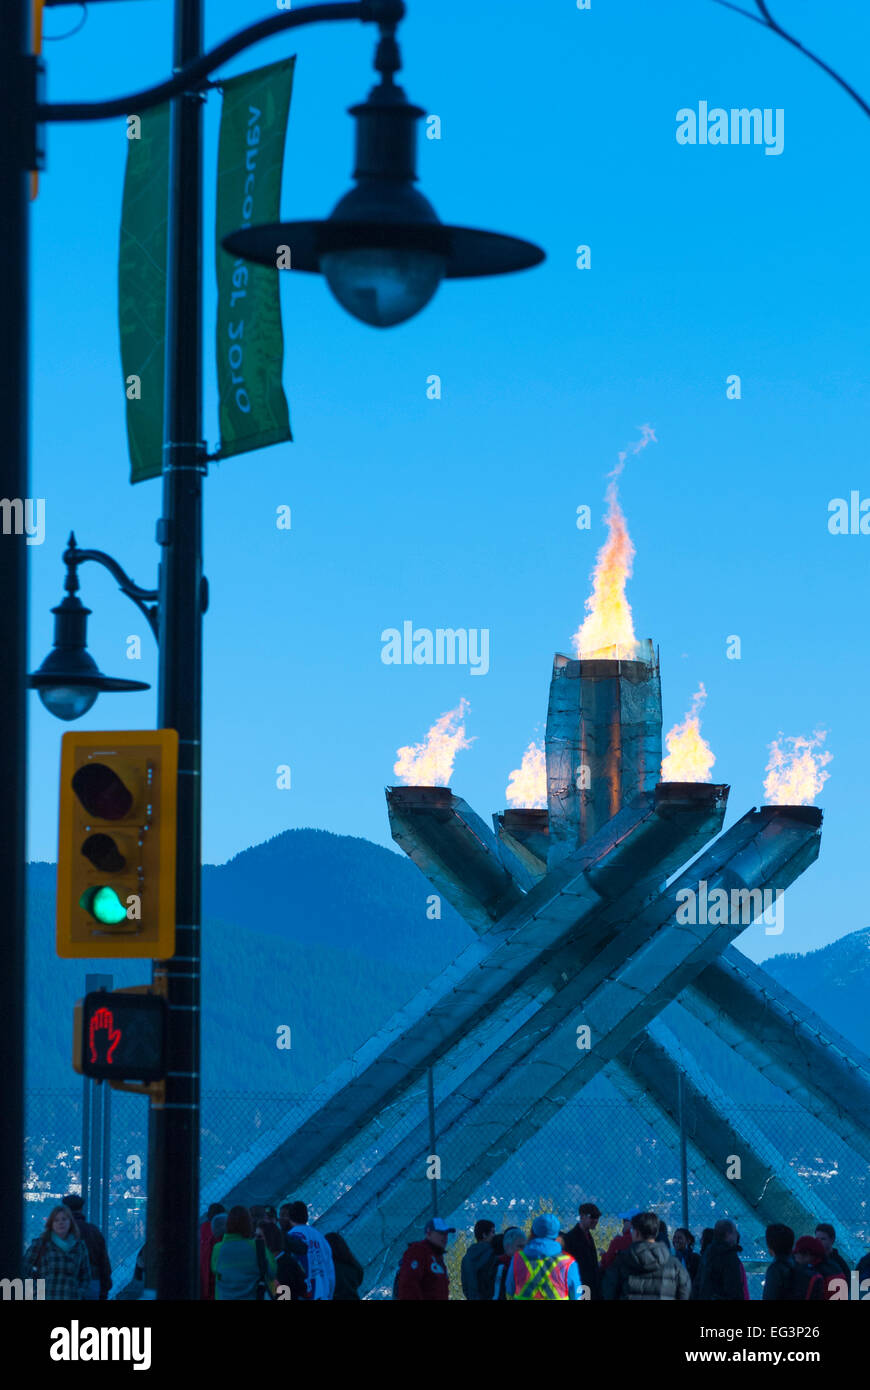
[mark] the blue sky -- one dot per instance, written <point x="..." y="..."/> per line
<point x="557" y="125"/>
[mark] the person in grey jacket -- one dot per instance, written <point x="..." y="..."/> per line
<point x="477" y="1271"/>
<point x="647" y="1271"/>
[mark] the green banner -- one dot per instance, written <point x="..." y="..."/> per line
<point x="250" y="340"/>
<point x="142" y="287"/>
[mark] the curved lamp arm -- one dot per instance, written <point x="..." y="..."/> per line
<point x="144" y="599"/>
<point x="767" y="21"/>
<point x="386" y="13"/>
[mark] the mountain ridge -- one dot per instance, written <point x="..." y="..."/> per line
<point x="328" y="934"/>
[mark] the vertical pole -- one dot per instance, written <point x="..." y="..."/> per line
<point x="430" y="1095"/>
<point x="16" y="121"/>
<point x="105" y="1165"/>
<point x="173" y="1193"/>
<point x="87" y="1097"/>
<point x="93" y="1105"/>
<point x="684" y="1167"/>
<point x="92" y="1196"/>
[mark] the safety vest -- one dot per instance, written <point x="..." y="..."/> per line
<point x="546" y="1278"/>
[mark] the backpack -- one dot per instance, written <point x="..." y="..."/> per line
<point x="815" y="1285"/>
<point x="265" y="1284"/>
<point x="37" y="1261"/>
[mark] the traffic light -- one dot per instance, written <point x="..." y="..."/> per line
<point x="116" y="849"/>
<point x="36" y="8"/>
<point x="120" y="1035"/>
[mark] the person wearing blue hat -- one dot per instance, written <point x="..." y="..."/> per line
<point x="422" y="1275"/>
<point x="542" y="1269"/>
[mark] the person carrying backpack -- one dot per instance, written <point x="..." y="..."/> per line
<point x="242" y="1266"/>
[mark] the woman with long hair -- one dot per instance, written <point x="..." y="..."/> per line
<point x="348" y="1270"/>
<point x="239" y="1262"/>
<point x="60" y="1257"/>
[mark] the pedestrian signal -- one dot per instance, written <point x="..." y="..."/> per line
<point x="120" y="1036"/>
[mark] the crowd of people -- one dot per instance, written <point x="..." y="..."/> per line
<point x="259" y="1253"/>
<point x="264" y="1253"/>
<point x="641" y="1264"/>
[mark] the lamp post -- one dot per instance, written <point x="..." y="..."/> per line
<point x="69" y="680"/>
<point x="17" y="89"/>
<point x="383" y="252"/>
<point x="383" y="249"/>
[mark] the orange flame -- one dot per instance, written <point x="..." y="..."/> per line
<point x="608" y="620"/>
<point x="527" y="784"/>
<point x="689" y="757"/>
<point x="794" y="775"/>
<point x="430" y="763"/>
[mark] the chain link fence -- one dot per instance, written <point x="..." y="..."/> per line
<point x="597" y="1148"/>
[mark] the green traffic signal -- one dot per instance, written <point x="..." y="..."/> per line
<point x="104" y="905"/>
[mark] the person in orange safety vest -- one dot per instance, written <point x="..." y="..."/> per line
<point x="542" y="1270"/>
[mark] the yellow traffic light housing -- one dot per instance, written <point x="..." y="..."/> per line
<point x="116" y="849"/>
<point x="36" y="8"/>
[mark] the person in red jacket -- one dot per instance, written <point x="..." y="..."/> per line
<point x="817" y="1276"/>
<point x="619" y="1243"/>
<point x="423" y="1272"/>
<point x="207" y="1242"/>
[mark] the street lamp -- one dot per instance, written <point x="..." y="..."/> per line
<point x="383" y="249"/>
<point x="69" y="679"/>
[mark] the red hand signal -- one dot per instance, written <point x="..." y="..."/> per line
<point x="103" y="1020"/>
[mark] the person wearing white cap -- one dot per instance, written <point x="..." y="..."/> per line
<point x="422" y="1275"/>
